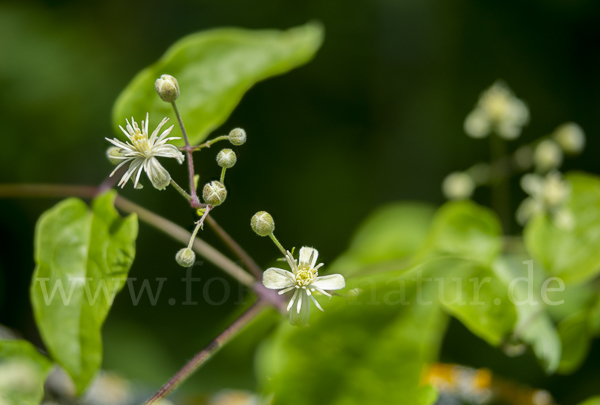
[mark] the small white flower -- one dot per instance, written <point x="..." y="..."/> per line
<point x="570" y="137"/>
<point x="547" y="155"/>
<point x="458" y="186"/>
<point x="497" y="110"/>
<point x="142" y="152"/>
<point x="548" y="194"/>
<point x="304" y="280"/>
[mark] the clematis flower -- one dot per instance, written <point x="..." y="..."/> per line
<point x="549" y="195"/>
<point x="304" y="280"/>
<point x="142" y="152"/>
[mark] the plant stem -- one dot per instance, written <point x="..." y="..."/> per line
<point x="208" y="144"/>
<point x="163" y="224"/>
<point x="207" y="352"/>
<point x="194" y="201"/>
<point x="276" y="242"/>
<point x="223" y="175"/>
<point x="180" y="234"/>
<point x="181" y="190"/>
<point x="235" y="248"/>
<point x="500" y="187"/>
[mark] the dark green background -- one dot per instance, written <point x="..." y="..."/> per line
<point x="376" y="117"/>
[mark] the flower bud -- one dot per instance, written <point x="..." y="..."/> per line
<point x="113" y="154"/>
<point x="262" y="223"/>
<point x="185" y="257"/>
<point x="570" y="137"/>
<point x="214" y="193"/>
<point x="237" y="136"/>
<point x="167" y="88"/>
<point x="547" y="155"/>
<point x="458" y="186"/>
<point x="226" y="158"/>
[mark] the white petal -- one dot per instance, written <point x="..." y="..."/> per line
<point x="292" y="262"/>
<point x="275" y="279"/>
<point x="331" y="282"/>
<point x="169" y="151"/>
<point x="314" y="300"/>
<point x="300" y="314"/>
<point x="157" y="174"/>
<point x="155" y="132"/>
<point x="308" y="256"/>
<point x="291" y="303"/>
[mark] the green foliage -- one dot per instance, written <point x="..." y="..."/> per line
<point x="464" y="229"/>
<point x="573" y="255"/>
<point x="83" y="258"/>
<point x="591" y="401"/>
<point x="23" y="371"/>
<point x="393" y="232"/>
<point x="371" y="349"/>
<point x="214" y="69"/>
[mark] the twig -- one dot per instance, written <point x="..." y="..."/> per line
<point x="235" y="248"/>
<point x="194" y="201"/>
<point x="207" y="353"/>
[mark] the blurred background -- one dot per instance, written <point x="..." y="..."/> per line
<point x="376" y="117"/>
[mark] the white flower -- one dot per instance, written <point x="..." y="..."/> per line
<point x="458" y="186"/>
<point x="497" y="110"/>
<point x="547" y="155"/>
<point x="547" y="195"/>
<point x="141" y="153"/>
<point x="304" y="280"/>
<point x="570" y="137"/>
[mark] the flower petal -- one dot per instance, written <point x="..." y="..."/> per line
<point x="331" y="282"/>
<point x="300" y="312"/>
<point x="308" y="256"/>
<point x="276" y="279"/>
<point x="157" y="174"/>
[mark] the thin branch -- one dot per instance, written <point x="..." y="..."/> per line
<point x="235" y="248"/>
<point x="200" y="358"/>
<point x="163" y="224"/>
<point x="207" y="144"/>
<point x="202" y="248"/>
<point x="195" y="201"/>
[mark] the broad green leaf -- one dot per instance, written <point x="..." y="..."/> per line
<point x="575" y="338"/>
<point x="369" y="350"/>
<point x="23" y="371"/>
<point x="214" y="69"/>
<point x="471" y="292"/>
<point x="591" y="401"/>
<point x="573" y="255"/>
<point x="534" y="326"/>
<point x="464" y="229"/>
<point x="393" y="232"/>
<point x="83" y="258"/>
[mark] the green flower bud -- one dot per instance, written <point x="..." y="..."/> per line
<point x="167" y="88"/>
<point x="185" y="257"/>
<point x="226" y="158"/>
<point x="570" y="137"/>
<point x="237" y="136"/>
<point x="214" y="193"/>
<point x="262" y="223"/>
<point x="113" y="154"/>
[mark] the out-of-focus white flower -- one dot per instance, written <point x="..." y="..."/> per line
<point x="570" y="137"/>
<point x="547" y="194"/>
<point x="108" y="389"/>
<point x="304" y="280"/>
<point x="18" y="375"/>
<point x="547" y="155"/>
<point x="234" y="397"/>
<point x="458" y="186"/>
<point x="497" y="110"/>
<point x="142" y="152"/>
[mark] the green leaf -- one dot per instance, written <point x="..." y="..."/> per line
<point x="573" y="255"/>
<point x="214" y="69"/>
<point x="393" y="232"/>
<point x="369" y="350"/>
<point x="23" y="370"/>
<point x="464" y="229"/>
<point x="591" y="401"/>
<point x="534" y="325"/>
<point x="472" y="293"/>
<point x="83" y="258"/>
<point x="575" y="338"/>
